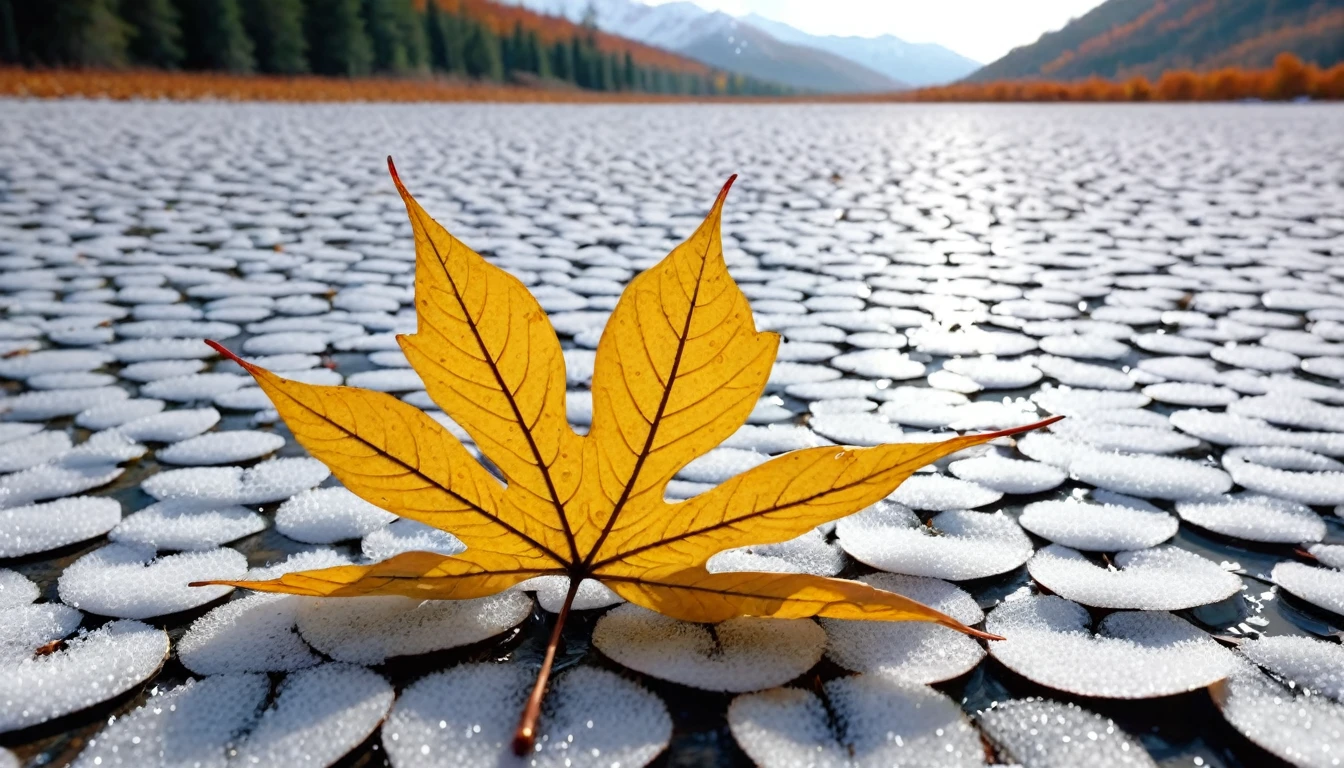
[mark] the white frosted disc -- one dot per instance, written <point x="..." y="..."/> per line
<point x="51" y="403"/>
<point x="590" y="718"/>
<point x="1304" y="730"/>
<point x="863" y="429"/>
<point x="129" y="582"/>
<point x="1310" y="664"/>
<point x="212" y="486"/>
<point x="196" y="386"/>
<point x="41" y="527"/>
<point x="807" y="553"/>
<point x="1039" y="733"/>
<point x="49" y="481"/>
<point x="1133" y="655"/>
<point x="743" y="654"/>
<point x="1157" y="579"/>
<point x="255" y="633"/>
<point x="25" y="628"/>
<point x="170" y="525"/>
<point x="152" y="370"/>
<point x="1006" y="475"/>
<point x="1154" y="477"/>
<point x="117" y="414"/>
<point x="37" y="448"/>
<point x="16" y="589"/>
<point x="369" y="630"/>
<point x="914" y="651"/>
<point x="192" y="724"/>
<point x="721" y="464"/>
<point x="1322" y="587"/>
<point x="1319" y="488"/>
<point x="1098" y="527"/>
<point x="934" y="492"/>
<point x="90" y="669"/>
<point x="1107" y="436"/>
<point x="327" y="515"/>
<point x="170" y="426"/>
<point x="958" y="545"/>
<point x="221" y="448"/>
<point x="551" y="592"/>
<point x="1254" y="517"/>
<point x="1329" y="555"/>
<point x="877" y="722"/>
<point x="406" y="535"/>
<point x="319" y="715"/>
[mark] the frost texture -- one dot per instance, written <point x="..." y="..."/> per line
<point x="221" y="448"/>
<point x="319" y="714"/>
<point x="877" y="722"/>
<point x="190" y="725"/>
<point x="212" y="486"/>
<point x="1134" y="655"/>
<point x="1039" y="733"/>
<point x="1254" y="517"/>
<point x="1311" y="664"/>
<point x="913" y="651"/>
<point x="169" y="525"/>
<point x="327" y="515"/>
<point x="1099" y="527"/>
<point x="91" y="669"/>
<point x="742" y="654"/>
<point x="1306" y="731"/>
<point x="591" y="718"/>
<point x="1322" y="587"/>
<point x="959" y="545"/>
<point x="1158" y="579"/>
<point x="130" y="583"/>
<point x="369" y="630"/>
<point x="41" y="527"/>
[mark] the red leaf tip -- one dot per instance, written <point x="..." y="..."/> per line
<point x="221" y="349"/>
<point x="723" y="193"/>
<point x="392" y="169"/>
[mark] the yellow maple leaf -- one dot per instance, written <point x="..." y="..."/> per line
<point x="679" y="368"/>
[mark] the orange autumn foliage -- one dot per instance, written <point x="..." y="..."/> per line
<point x="1289" y="78"/>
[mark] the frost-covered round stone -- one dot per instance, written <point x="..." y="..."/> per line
<point x="871" y="721"/>
<point x="1134" y="655"/>
<point x="590" y="718"/>
<point x="41" y="527"/>
<point x="91" y="669"/>
<point x="170" y="525"/>
<point x="171" y="426"/>
<point x="221" y="448"/>
<point x="369" y="630"/>
<point x="937" y="493"/>
<point x="914" y="651"/>
<point x="551" y="592"/>
<point x="319" y="715"/>
<point x="1007" y="475"/>
<point x="16" y="589"/>
<point x="957" y="545"/>
<point x="1308" y="663"/>
<point x="1157" y="579"/>
<point x="327" y="515"/>
<point x="1039" y="733"/>
<point x="1254" y="517"/>
<point x="406" y="535"/>
<point x="743" y="654"/>
<point x="1099" y="527"/>
<point x="1300" y="729"/>
<point x="1322" y="587"/>
<point x="1156" y="477"/>
<point x="192" y="724"/>
<point x="128" y="582"/>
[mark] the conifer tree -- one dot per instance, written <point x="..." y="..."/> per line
<point x="338" y="43"/>
<point x="156" y="36"/>
<point x="276" y="29"/>
<point x="385" y="36"/>
<point x="214" y="37"/>
<point x="481" y="52"/>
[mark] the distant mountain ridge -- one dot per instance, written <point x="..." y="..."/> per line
<point x="917" y="64"/>
<point x="722" y="41"/>
<point x="1124" y="38"/>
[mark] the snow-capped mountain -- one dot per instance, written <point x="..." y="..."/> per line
<point x="918" y="64"/>
<point x="724" y="42"/>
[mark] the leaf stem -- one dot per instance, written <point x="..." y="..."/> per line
<point x="526" y="736"/>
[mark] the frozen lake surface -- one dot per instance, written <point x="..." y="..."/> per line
<point x="1167" y="563"/>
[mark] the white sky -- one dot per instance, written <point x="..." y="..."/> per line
<point x="984" y="30"/>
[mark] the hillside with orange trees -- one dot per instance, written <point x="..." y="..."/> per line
<point x="502" y="18"/>
<point x="1127" y="38"/>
